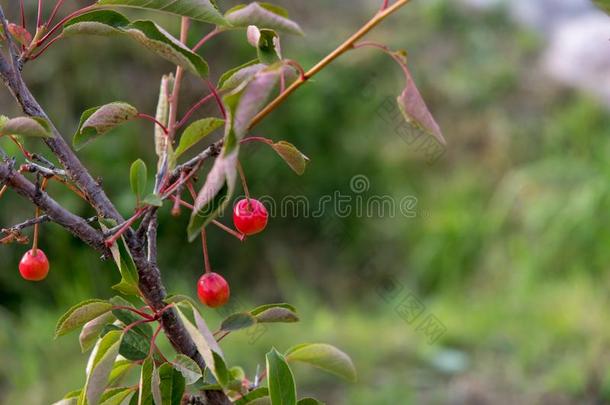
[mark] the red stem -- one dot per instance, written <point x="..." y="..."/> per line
<point x="142" y="314"/>
<point x="204" y="241"/>
<point x="43" y="49"/>
<point x="111" y="241"/>
<point x="242" y="176"/>
<point x="134" y="324"/>
<point x="206" y="257"/>
<point x="222" y="226"/>
<point x="385" y="5"/>
<point x="22" y="11"/>
<point x="25" y="152"/>
<point x="63" y="21"/>
<point x="153" y="339"/>
<point x="385" y="49"/>
<point x="194" y="108"/>
<point x="54" y="12"/>
<point x="297" y="66"/>
<point x="256" y="139"/>
<point x="153" y="120"/>
<point x="205" y="39"/>
<point x="218" y="100"/>
<point x="39" y="16"/>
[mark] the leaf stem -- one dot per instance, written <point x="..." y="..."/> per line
<point x="344" y="47"/>
<point x="214" y="91"/>
<point x="244" y="184"/>
<point x="43" y="49"/>
<point x="126" y="225"/>
<point x="135" y="311"/>
<point x="206" y="38"/>
<point x="36" y="215"/>
<point x="22" y="13"/>
<point x="153" y="120"/>
<point x="256" y="139"/>
<point x="63" y="21"/>
<point x="39" y="16"/>
<point x="54" y="12"/>
<point x="194" y="108"/>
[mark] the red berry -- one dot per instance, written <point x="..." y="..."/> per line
<point x="213" y="290"/>
<point x="34" y="266"/>
<point x="250" y="216"/>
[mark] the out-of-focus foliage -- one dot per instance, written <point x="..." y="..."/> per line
<point x="507" y="247"/>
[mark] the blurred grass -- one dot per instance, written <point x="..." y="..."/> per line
<point x="508" y="248"/>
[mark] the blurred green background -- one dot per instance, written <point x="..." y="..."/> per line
<point x="508" y="247"/>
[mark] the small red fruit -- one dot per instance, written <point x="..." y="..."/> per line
<point x="34" y="265"/>
<point x="250" y="216"/>
<point x="213" y="290"/>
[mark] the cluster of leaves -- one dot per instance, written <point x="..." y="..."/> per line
<point x="122" y="343"/>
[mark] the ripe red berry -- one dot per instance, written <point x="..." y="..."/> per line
<point x="213" y="290"/>
<point x="250" y="216"/>
<point x="34" y="266"/>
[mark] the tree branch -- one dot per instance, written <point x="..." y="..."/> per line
<point x="74" y="224"/>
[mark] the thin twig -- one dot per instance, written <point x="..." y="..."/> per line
<point x="346" y="46"/>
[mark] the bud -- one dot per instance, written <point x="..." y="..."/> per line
<point x="20" y="34"/>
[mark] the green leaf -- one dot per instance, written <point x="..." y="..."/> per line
<point x="196" y="132"/>
<point x="234" y="77"/>
<point x="260" y="309"/>
<point x="153" y="200"/>
<point x="27" y="126"/>
<point x="165" y="45"/>
<point x="212" y="359"/>
<point x="258" y="393"/>
<point x="282" y="389"/>
<point x="309" y="401"/>
<point x="146" y="33"/>
<point x="138" y="175"/>
<point x="172" y="385"/>
<point x="119" y="370"/>
<point x="277" y="315"/>
<point x="134" y="346"/>
<point x="80" y="314"/>
<point x="238" y="321"/>
<point x="100" y="364"/>
<point x="124" y="261"/>
<point x="201" y="10"/>
<point x="325" y="357"/>
<point x="263" y="15"/>
<point x="292" y="156"/>
<point x="188" y="368"/>
<point x="116" y="396"/>
<point x="98" y="22"/>
<point x="91" y="330"/>
<point x="267" y="44"/>
<point x="145" y="395"/>
<point x="98" y="121"/>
